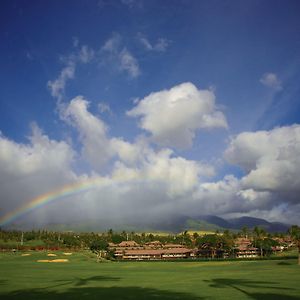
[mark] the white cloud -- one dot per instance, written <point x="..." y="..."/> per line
<point x="136" y="160"/>
<point x="228" y="196"/>
<point x="86" y="54"/>
<point x="97" y="147"/>
<point x="140" y="178"/>
<point x="217" y="197"/>
<point x="178" y="175"/>
<point x="173" y="116"/>
<point x="271" y="80"/>
<point x="161" y="44"/>
<point x="41" y="153"/>
<point x="252" y="195"/>
<point x="104" y="107"/>
<point x="129" y="153"/>
<point x="129" y="63"/>
<point x="143" y="179"/>
<point x="28" y="170"/>
<point x="271" y="160"/>
<point x="182" y="175"/>
<point x="57" y="86"/>
<point x="113" y="43"/>
<point x="92" y="132"/>
<point x="145" y="42"/>
<point x="120" y="57"/>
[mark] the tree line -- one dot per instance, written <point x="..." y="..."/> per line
<point x="211" y="245"/>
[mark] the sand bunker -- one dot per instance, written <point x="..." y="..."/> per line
<point x="51" y="254"/>
<point x="53" y="260"/>
<point x="67" y="253"/>
<point x="43" y="260"/>
<point x="59" y="260"/>
<point x="25" y="254"/>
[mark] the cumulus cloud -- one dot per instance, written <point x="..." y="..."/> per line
<point x="138" y="176"/>
<point x="135" y="160"/>
<point x="271" y="161"/>
<point x="135" y="174"/>
<point x="270" y="186"/>
<point x="129" y="153"/>
<point x="97" y="147"/>
<point x="173" y="116"/>
<point x="34" y="168"/>
<point x="179" y="175"/>
<point x="271" y="80"/>
<point x="145" y="179"/>
<point x="161" y="44"/>
<point x="92" y="132"/>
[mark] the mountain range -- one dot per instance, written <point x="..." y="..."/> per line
<point x="172" y="224"/>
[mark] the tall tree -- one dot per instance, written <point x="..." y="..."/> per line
<point x="99" y="247"/>
<point x="259" y="235"/>
<point x="294" y="231"/>
<point x="245" y="231"/>
<point x="211" y="243"/>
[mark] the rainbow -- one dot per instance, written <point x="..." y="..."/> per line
<point x="43" y="199"/>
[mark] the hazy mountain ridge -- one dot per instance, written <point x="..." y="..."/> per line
<point x="172" y="224"/>
<point x="239" y="223"/>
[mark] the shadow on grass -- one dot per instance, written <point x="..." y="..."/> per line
<point x="3" y="282"/>
<point x="111" y="293"/>
<point x="242" y="284"/>
<point x="271" y="296"/>
<point x="85" y="281"/>
<point x="284" y="263"/>
<point x="238" y="283"/>
<point x="82" y="281"/>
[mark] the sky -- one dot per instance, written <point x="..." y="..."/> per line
<point x="166" y="107"/>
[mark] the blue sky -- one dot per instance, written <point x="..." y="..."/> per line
<point x="244" y="54"/>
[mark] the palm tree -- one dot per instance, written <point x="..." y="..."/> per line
<point x="210" y="243"/>
<point x="294" y="231"/>
<point x="259" y="235"/>
<point x="245" y="231"/>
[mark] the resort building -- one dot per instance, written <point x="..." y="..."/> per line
<point x="244" y="248"/>
<point x="157" y="254"/>
<point x="130" y="250"/>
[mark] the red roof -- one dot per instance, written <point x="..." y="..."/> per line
<point x="143" y="252"/>
<point x="153" y="243"/>
<point x="128" y="244"/>
<point x="177" y="251"/>
<point x="173" y="246"/>
<point x="158" y="251"/>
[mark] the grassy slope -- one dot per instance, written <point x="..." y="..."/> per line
<point x="82" y="278"/>
<point x="202" y="225"/>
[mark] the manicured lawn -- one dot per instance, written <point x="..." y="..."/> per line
<point x="22" y="277"/>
